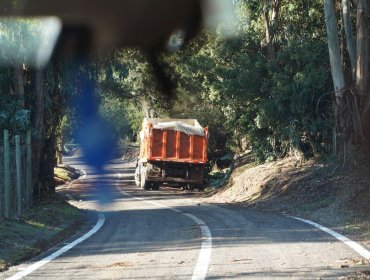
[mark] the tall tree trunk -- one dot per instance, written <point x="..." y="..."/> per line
<point x="340" y="127"/>
<point x="271" y="7"/>
<point x="362" y="69"/>
<point x="19" y="82"/>
<point x="269" y="36"/>
<point x="38" y="139"/>
<point x="334" y="52"/>
<point x="146" y="108"/>
<point x="60" y="149"/>
<point x="349" y="36"/>
<point x="52" y="119"/>
<point x="362" y="47"/>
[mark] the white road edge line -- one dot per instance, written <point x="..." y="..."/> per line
<point x="355" y="246"/>
<point x="204" y="257"/>
<point x="62" y="250"/>
<point x="84" y="174"/>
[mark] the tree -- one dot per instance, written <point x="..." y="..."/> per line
<point x="362" y="42"/>
<point x="349" y="35"/>
<point x="350" y="110"/>
<point x="271" y="10"/>
<point x="334" y="52"/>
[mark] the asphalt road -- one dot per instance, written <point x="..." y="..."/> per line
<point x="163" y="235"/>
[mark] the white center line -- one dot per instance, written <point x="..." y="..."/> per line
<point x="204" y="257"/>
<point x="84" y="174"/>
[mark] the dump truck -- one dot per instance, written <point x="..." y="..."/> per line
<point x="171" y="151"/>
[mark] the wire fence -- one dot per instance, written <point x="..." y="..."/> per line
<point x="15" y="174"/>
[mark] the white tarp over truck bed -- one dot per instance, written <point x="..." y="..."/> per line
<point x="188" y="126"/>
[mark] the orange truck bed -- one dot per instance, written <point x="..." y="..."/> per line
<point x="173" y="140"/>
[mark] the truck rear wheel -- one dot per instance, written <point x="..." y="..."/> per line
<point x="155" y="186"/>
<point x="190" y="187"/>
<point x="137" y="176"/>
<point x="145" y="185"/>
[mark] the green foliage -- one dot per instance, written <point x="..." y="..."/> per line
<point x="280" y="105"/>
<point x="292" y="113"/>
<point x="124" y="117"/>
<point x="13" y="118"/>
<point x="68" y="127"/>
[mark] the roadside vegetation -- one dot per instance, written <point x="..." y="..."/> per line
<point x="46" y="224"/>
<point x="64" y="174"/>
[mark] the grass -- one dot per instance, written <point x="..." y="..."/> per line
<point x="218" y="178"/>
<point x="61" y="173"/>
<point x="41" y="227"/>
<point x="320" y="203"/>
<point x="245" y="167"/>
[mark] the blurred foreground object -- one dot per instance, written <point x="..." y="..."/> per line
<point x="103" y="25"/>
<point x="28" y="41"/>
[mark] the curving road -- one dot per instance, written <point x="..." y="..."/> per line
<point x="168" y="234"/>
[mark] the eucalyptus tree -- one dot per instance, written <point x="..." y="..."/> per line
<point x="352" y="95"/>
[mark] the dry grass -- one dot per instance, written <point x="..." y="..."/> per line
<point x="64" y="174"/>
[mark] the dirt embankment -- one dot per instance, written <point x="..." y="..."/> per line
<point x="317" y="191"/>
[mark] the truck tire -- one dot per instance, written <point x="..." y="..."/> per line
<point x="190" y="187"/>
<point x="137" y="176"/>
<point x="145" y="185"/>
<point x="155" y="186"/>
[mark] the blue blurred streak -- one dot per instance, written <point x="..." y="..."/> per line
<point x="95" y="135"/>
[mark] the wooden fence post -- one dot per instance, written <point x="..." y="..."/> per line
<point x="29" y="169"/>
<point x="2" y="199"/>
<point x="6" y="174"/>
<point x="18" y="174"/>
